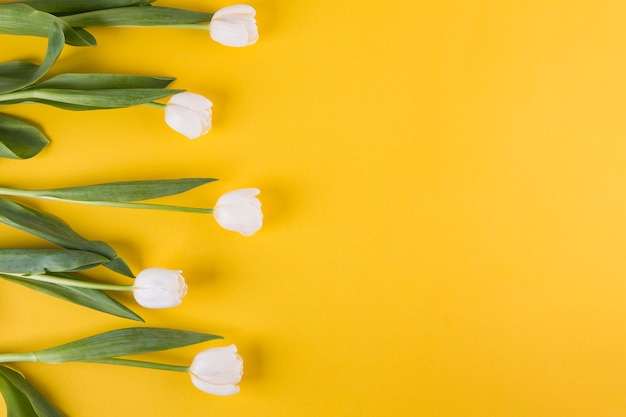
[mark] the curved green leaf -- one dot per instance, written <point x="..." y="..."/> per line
<point x="12" y="71"/>
<point x="99" y="99"/>
<point x="78" y="6"/>
<point x="123" y="342"/>
<point x="137" y="16"/>
<point x="102" y="81"/>
<point x="21" y="19"/>
<point x="19" y="139"/>
<point x="32" y="73"/>
<point x="56" y="231"/>
<point x="41" y="261"/>
<point x="86" y="297"/>
<point x="125" y="191"/>
<point x="22" y="399"/>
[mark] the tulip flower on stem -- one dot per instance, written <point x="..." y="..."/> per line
<point x="237" y="211"/>
<point x="153" y="287"/>
<point x="215" y="371"/>
<point x="231" y="26"/>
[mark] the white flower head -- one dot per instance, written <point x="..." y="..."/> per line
<point x="159" y="288"/>
<point x="217" y="370"/>
<point x="234" y="26"/>
<point x="239" y="211"/>
<point x="189" y="114"/>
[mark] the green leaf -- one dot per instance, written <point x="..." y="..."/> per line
<point x="138" y="16"/>
<point x="41" y="261"/>
<point x="32" y="73"/>
<point x="124" y="191"/>
<point x="13" y="71"/>
<point x="22" y="399"/>
<point x="19" y="139"/>
<point x="21" y="19"/>
<point x="123" y="342"/>
<point x="86" y="297"/>
<point x="102" y="81"/>
<point x="99" y="99"/>
<point x="56" y="231"/>
<point x="78" y="6"/>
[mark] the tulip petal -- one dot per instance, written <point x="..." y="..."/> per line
<point x="159" y="288"/>
<point x="239" y="211"/>
<point x="223" y="390"/>
<point x="235" y="9"/>
<point x="234" y="26"/>
<point x="189" y="114"/>
<point x="217" y="370"/>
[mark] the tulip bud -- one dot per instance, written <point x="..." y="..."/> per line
<point x="217" y="370"/>
<point x="234" y="26"/>
<point x="189" y="114"/>
<point x="159" y="288"/>
<point x="239" y="211"/>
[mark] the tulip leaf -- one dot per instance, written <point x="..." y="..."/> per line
<point x="137" y="16"/>
<point x="32" y="73"/>
<point x="56" y="231"/>
<point x="86" y="297"/>
<point x="102" y="81"/>
<point x="19" y="139"/>
<point x="22" y="399"/>
<point x="98" y="99"/>
<point x="12" y="72"/>
<point x="79" y="6"/>
<point x="21" y="19"/>
<point x="123" y="342"/>
<point x="124" y="191"/>
<point x="41" y="261"/>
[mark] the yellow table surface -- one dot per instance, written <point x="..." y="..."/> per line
<point x="445" y="216"/>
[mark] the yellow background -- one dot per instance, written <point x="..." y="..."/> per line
<point x="443" y="188"/>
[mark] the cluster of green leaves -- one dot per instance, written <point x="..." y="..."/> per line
<point x="78" y="253"/>
<point x="23" y="400"/>
<point x="63" y="22"/>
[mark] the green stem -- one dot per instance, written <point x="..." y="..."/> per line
<point x="120" y="204"/>
<point x="195" y="26"/>
<point x="155" y="104"/>
<point x="141" y="364"/>
<point x="18" y="357"/>
<point x="18" y="95"/>
<point x="71" y="282"/>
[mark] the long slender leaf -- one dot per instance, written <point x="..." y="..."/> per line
<point x="86" y="297"/>
<point x="56" y="231"/>
<point x="41" y="261"/>
<point x="102" y="81"/>
<point x="13" y="71"/>
<point x="100" y="99"/>
<point x="125" y="191"/>
<point x="63" y="106"/>
<point x="22" y="399"/>
<point x="21" y="19"/>
<point x="78" y="6"/>
<point x="19" y="139"/>
<point x="32" y="73"/>
<point x="17" y="403"/>
<point x="137" y="16"/>
<point x="123" y="342"/>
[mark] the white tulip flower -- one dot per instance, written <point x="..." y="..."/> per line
<point x="159" y="288"/>
<point x="189" y="114"/>
<point x="217" y="370"/>
<point x="239" y="211"/>
<point x="234" y="26"/>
